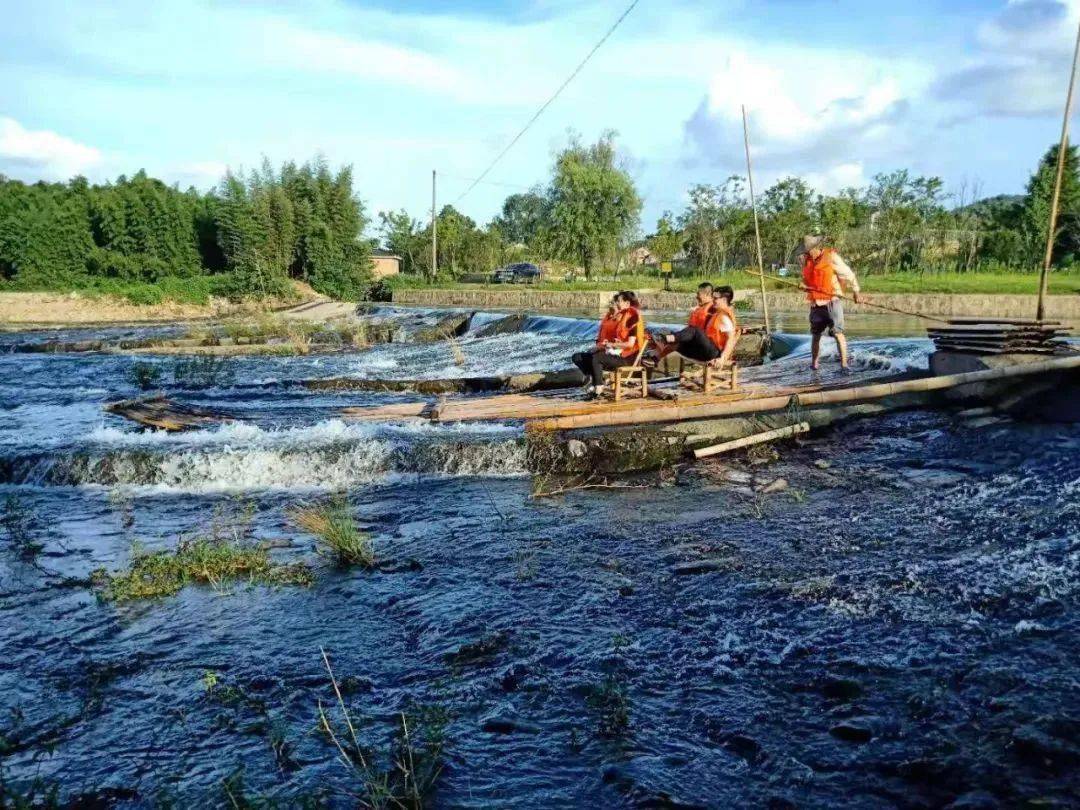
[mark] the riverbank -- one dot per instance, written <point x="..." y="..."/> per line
<point x="1063" y="307"/>
<point x="21" y="310"/>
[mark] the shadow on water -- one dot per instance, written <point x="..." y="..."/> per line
<point x="896" y="624"/>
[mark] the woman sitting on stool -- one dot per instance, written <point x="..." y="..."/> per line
<point x="627" y="336"/>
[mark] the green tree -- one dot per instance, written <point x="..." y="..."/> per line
<point x="594" y="205"/>
<point x="667" y="241"/>
<point x="1035" y="219"/>
<point x="786" y="216"/>
<point x="523" y="217"/>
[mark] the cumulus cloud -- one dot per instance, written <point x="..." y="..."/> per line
<point x="811" y="122"/>
<point x="1021" y="66"/>
<point x="42" y="153"/>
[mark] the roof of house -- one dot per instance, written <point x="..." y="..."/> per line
<point x="379" y="253"/>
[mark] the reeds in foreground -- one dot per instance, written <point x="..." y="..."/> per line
<point x="336" y="533"/>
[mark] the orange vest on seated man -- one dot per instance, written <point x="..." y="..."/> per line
<point x="699" y="315"/>
<point x="630" y="324"/>
<point x="609" y="325"/>
<point x="721" y="324"/>
<point x="819" y="277"/>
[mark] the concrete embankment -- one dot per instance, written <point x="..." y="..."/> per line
<point x="1062" y="307"/>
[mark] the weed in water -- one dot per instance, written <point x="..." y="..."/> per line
<point x="20" y="528"/>
<point x="336" y="533"/>
<point x="608" y="699"/>
<point x="405" y="778"/>
<point x="525" y="566"/>
<point x="203" y="371"/>
<point x="762" y="454"/>
<point x="144" y="376"/>
<point x="211" y="560"/>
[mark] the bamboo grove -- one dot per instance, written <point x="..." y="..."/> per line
<point x="248" y="237"/>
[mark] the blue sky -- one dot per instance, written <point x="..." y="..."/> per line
<point x="837" y="90"/>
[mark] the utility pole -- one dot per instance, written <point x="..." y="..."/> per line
<point x="434" y="231"/>
<point x="1062" y="148"/>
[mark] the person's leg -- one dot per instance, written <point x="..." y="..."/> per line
<point x="698" y="347"/>
<point x="583" y="360"/>
<point x="841" y="344"/>
<point x="819" y="322"/>
<point x="601" y="362"/>
<point x="693" y="343"/>
<point x="836" y="329"/>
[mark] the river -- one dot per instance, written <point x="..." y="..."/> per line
<point x="896" y="627"/>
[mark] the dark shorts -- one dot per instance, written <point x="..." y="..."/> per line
<point x="827" y="317"/>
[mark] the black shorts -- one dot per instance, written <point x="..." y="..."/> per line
<point x="827" y="317"/>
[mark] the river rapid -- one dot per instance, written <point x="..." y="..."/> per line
<point x="895" y="627"/>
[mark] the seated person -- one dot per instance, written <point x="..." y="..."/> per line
<point x="628" y="336"/>
<point x="708" y="330"/>
<point x="609" y="324"/>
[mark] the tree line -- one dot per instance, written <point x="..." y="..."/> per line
<point x="251" y="235"/>
<point x="259" y="230"/>
<point x="587" y="218"/>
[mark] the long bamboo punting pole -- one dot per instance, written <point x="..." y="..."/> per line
<point x="800" y="286"/>
<point x="689" y="413"/>
<point x="757" y="227"/>
<point x="1040" y="311"/>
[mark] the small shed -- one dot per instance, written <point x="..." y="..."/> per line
<point x="384" y="263"/>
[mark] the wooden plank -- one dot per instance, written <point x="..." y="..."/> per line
<point x="1020" y="321"/>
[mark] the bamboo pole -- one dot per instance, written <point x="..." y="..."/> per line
<point x="689" y="413"/>
<point x="1040" y="312"/>
<point x="757" y="227"/>
<point x="757" y="438"/>
<point x="800" y="286"/>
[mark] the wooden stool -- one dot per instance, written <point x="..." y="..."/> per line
<point x="629" y="379"/>
<point x="707" y="377"/>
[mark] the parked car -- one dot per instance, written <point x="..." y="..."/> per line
<point x="520" y="272"/>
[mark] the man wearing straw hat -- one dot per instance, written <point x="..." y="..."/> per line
<point x="824" y="276"/>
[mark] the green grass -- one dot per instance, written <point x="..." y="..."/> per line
<point x="186" y="290"/>
<point x="208" y="560"/>
<point x="336" y="533"/>
<point x="1066" y="282"/>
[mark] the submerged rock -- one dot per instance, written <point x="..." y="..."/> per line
<point x="507" y="725"/>
<point x="699" y="567"/>
<point x="854" y="731"/>
<point x="778" y="485"/>
<point x="841" y="688"/>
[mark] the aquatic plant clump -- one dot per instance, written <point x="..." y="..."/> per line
<point x="202" y="560"/>
<point x="406" y="776"/>
<point x="337" y="535"/>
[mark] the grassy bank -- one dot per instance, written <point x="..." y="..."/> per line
<point x="1016" y="283"/>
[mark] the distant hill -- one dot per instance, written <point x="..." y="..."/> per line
<point x="991" y="207"/>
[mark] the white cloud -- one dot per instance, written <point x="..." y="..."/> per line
<point x="825" y="121"/>
<point x="837" y="178"/>
<point x="201" y="174"/>
<point x="365" y="59"/>
<point x="1022" y="63"/>
<point x="43" y="153"/>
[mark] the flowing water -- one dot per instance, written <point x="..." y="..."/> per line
<point x="896" y="628"/>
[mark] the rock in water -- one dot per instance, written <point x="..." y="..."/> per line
<point x="511" y="324"/>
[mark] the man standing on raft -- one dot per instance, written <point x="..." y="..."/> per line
<point x="824" y="276"/>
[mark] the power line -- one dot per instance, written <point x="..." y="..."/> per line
<point x="548" y="103"/>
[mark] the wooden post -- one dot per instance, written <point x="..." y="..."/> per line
<point x="434" y="230"/>
<point x="1040" y="312"/>
<point x="757" y="438"/>
<point x="757" y="227"/>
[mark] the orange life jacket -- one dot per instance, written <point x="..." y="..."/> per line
<point x="630" y="325"/>
<point x="819" y="277"/>
<point x="609" y="325"/>
<point x="713" y="328"/>
<point x="699" y="315"/>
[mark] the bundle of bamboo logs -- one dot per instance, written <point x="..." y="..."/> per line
<point x="993" y="336"/>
